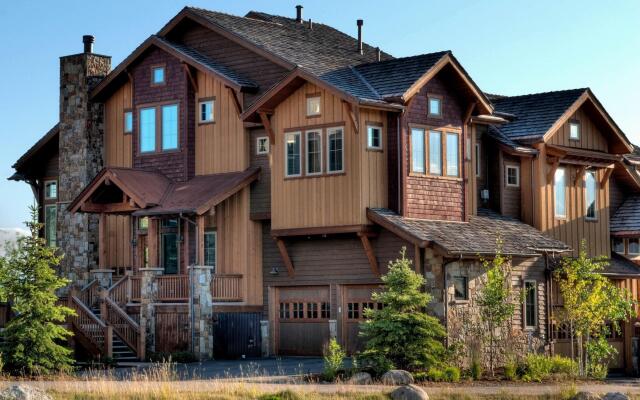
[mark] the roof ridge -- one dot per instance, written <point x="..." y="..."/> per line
<point x="542" y="93"/>
<point x="230" y="15"/>
<point x="443" y="52"/>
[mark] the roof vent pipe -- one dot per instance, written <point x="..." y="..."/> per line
<point x="310" y="24"/>
<point x="378" y="54"/>
<point x="88" y="43"/>
<point x="360" y="22"/>
<point x="299" y="14"/>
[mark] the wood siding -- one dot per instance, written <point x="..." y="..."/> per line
<point x="590" y="136"/>
<point x="510" y="195"/>
<point x="260" y="189"/>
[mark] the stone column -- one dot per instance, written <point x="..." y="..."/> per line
<point x="148" y="296"/>
<point x="264" y="334"/>
<point x="201" y="311"/>
<point x="104" y="277"/>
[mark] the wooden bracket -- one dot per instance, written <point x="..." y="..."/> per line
<point x="605" y="177"/>
<point x="236" y="99"/>
<point x="467" y="114"/>
<point x="552" y="170"/>
<point x="190" y="76"/>
<point x="579" y="173"/>
<point x="267" y="126"/>
<point x="368" y="250"/>
<point x="285" y="256"/>
<point x="352" y="116"/>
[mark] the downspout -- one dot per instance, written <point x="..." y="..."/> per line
<point x="191" y="283"/>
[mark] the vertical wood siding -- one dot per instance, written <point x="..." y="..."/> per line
<point x="590" y="136"/>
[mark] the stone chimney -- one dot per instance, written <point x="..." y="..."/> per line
<point x="80" y="156"/>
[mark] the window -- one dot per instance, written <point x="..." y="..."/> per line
<point x="170" y="127"/>
<point x="435" y="106"/>
<point x="157" y="75"/>
<point x="530" y="304"/>
<point x="169" y="241"/>
<point x="633" y="246"/>
<point x="417" y="150"/>
<point x="618" y="245"/>
<point x="313" y="106"/>
<point x="335" y="153"/>
<point x="435" y="152"/>
<point x="292" y="146"/>
<point x="314" y="152"/>
<point x="128" y="122"/>
<point x="143" y="223"/>
<point x="206" y="111"/>
<point x="452" y="154"/>
<point x="262" y="145"/>
<point x="147" y="130"/>
<point x="374" y="137"/>
<point x="460" y="288"/>
<point x="512" y="175"/>
<point x="590" y="187"/>
<point x="559" y="187"/>
<point x="170" y="223"/>
<point x="210" y="248"/>
<point x="353" y="311"/>
<point x="478" y="164"/>
<point x="50" y="190"/>
<point x="50" y="225"/>
<point x="574" y="130"/>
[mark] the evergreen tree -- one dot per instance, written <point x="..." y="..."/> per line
<point x="33" y="336"/>
<point x="402" y="334"/>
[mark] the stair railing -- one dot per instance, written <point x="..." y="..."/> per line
<point x="119" y="292"/>
<point x="89" y="293"/>
<point x="91" y="327"/>
<point x="123" y="325"/>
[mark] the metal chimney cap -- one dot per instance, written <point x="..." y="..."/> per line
<point x="360" y="22"/>
<point x="299" y="13"/>
<point x="88" y="41"/>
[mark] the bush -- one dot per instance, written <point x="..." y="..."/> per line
<point x="435" y="374"/>
<point x="511" y="371"/>
<point x="537" y="367"/>
<point x="333" y="360"/>
<point x="476" y="370"/>
<point x="419" y="376"/>
<point x="563" y="365"/>
<point x="452" y="374"/>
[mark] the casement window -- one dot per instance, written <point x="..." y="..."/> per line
<point x="618" y="245"/>
<point x="50" y="224"/>
<point x="559" y="192"/>
<point x="478" y="164"/>
<point x="435" y="106"/>
<point x="313" y="148"/>
<point x="51" y="190"/>
<point x="170" y="127"/>
<point x="633" y="246"/>
<point x="157" y="75"/>
<point x="205" y="111"/>
<point x="374" y="137"/>
<point x="574" y="130"/>
<point x="159" y="134"/>
<point x="530" y="304"/>
<point x="512" y="175"/>
<point x="590" y="194"/>
<point x="128" y="122"/>
<point x="460" y="288"/>
<point x="417" y="150"/>
<point x="292" y="154"/>
<point x="435" y="152"/>
<point x="210" y="243"/>
<point x="441" y="147"/>
<point x="313" y="105"/>
<point x="335" y="150"/>
<point x="452" y="154"/>
<point x="262" y="145"/>
<point x="147" y="130"/>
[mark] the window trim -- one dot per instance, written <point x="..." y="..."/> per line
<point x="308" y="98"/>
<point x="424" y="148"/>
<point x="153" y="68"/>
<point x="328" y="133"/>
<point x="44" y="186"/>
<point x="556" y="215"/>
<point x="595" y="195"/>
<point x="202" y="101"/>
<point x="440" y="102"/>
<point x="535" y="304"/>
<point x="286" y="155"/>
<point x="266" y="139"/>
<point x="443" y="150"/>
<point x="306" y="152"/>
<point x="126" y="131"/>
<point x="158" y="127"/>
<point x="445" y="162"/>
<point x="477" y="163"/>
<point x="628" y="247"/>
<point x="506" y="175"/>
<point x="379" y="127"/>
<point x="579" y="125"/>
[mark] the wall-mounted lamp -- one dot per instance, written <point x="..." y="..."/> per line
<point x="274" y="271"/>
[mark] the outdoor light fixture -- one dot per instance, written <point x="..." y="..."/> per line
<point x="274" y="271"/>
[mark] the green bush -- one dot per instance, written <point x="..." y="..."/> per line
<point x="419" y="376"/>
<point x="511" y="371"/>
<point x="333" y="360"/>
<point x="476" y="370"/>
<point x="563" y="365"/>
<point x="435" y="374"/>
<point x="452" y="374"/>
<point x="538" y="367"/>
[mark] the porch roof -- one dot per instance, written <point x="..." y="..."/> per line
<point x="621" y="267"/>
<point x="626" y="220"/>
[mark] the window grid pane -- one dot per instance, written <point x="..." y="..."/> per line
<point x="293" y="154"/>
<point x="147" y="129"/>
<point x="170" y="127"/>
<point x="590" y="201"/>
<point x="314" y="153"/>
<point x="559" y="192"/>
<point x="435" y="153"/>
<point x="210" y="249"/>
<point x="417" y="150"/>
<point x="128" y="122"/>
<point x="335" y="150"/>
<point x="452" y="154"/>
<point x="374" y="137"/>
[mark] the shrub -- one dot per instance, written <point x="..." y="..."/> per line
<point x="563" y="365"/>
<point x="537" y="367"/>
<point x="435" y="374"/>
<point x="452" y="374"/>
<point x="476" y="370"/>
<point x="511" y="371"/>
<point x="333" y="360"/>
<point x="420" y="376"/>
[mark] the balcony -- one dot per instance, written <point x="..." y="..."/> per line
<point x="175" y="288"/>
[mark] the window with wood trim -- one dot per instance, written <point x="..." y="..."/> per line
<point x="436" y="153"/>
<point x="170" y="127"/>
<point x="417" y="150"/>
<point x="530" y="304"/>
<point x="262" y="145"/>
<point x="158" y="75"/>
<point x="356" y="309"/>
<point x="374" y="137"/>
<point x="147" y="130"/>
<point x="434" y="106"/>
<point x="159" y="128"/>
<point x="304" y="311"/>
<point x="51" y="224"/>
<point x="292" y="147"/>
<point x="559" y="193"/>
<point x="205" y="111"/>
<point x="335" y="150"/>
<point x="452" y="154"/>
<point x="590" y="194"/>
<point x="512" y="175"/>
<point x="574" y="130"/>
<point x="128" y="122"/>
<point x="633" y="246"/>
<point x="313" y="106"/>
<point x="617" y="245"/>
<point x="210" y="247"/>
<point x="313" y="146"/>
<point x="143" y="223"/>
<point x="50" y="189"/>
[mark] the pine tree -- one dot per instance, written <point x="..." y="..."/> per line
<point x="33" y="336"/>
<point x="402" y="334"/>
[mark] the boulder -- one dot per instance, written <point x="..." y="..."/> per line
<point x="360" y="378"/>
<point x="23" y="392"/>
<point x="397" y="377"/>
<point x="615" y="396"/>
<point x="585" y="396"/>
<point x="409" y="392"/>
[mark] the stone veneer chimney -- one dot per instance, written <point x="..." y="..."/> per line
<point x="81" y="157"/>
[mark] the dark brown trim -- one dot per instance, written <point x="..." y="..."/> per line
<point x="267" y="127"/>
<point x="192" y="79"/>
<point x="316" y="94"/>
<point x="285" y="256"/>
<point x="236" y="100"/>
<point x="338" y="124"/>
<point x="260" y="216"/>
<point x="401" y="233"/>
<point x="352" y="116"/>
<point x="321" y="230"/>
<point x="164" y="74"/>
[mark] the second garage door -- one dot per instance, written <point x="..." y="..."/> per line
<point x="303" y="320"/>
<point x="355" y="299"/>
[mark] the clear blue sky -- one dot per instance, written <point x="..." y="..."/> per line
<point x="508" y="46"/>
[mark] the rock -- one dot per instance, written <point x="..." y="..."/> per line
<point x="22" y="392"/>
<point x="585" y="396"/>
<point x="397" y="377"/>
<point x="409" y="392"/>
<point x="615" y="396"/>
<point x="360" y="378"/>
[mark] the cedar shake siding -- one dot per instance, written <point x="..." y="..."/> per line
<point x="175" y="164"/>
<point x="393" y="168"/>
<point x="435" y="197"/>
<point x="260" y="189"/>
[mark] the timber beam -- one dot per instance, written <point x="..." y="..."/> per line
<point x="192" y="79"/>
<point x="368" y="250"/>
<point x="351" y="112"/>
<point x="285" y="256"/>
<point x="267" y="126"/>
<point x="554" y="162"/>
<point x="607" y="173"/>
<point x="236" y="99"/>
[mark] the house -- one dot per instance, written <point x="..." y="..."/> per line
<point x="238" y="185"/>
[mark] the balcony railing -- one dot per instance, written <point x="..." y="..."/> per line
<point x="175" y="288"/>
<point x="226" y="287"/>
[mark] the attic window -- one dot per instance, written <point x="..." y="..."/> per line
<point x="206" y="111"/>
<point x="157" y="75"/>
<point x="574" y="130"/>
<point x="128" y="122"/>
<point x="435" y="106"/>
<point x="313" y="105"/>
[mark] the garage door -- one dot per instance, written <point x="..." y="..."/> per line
<point x="303" y="320"/>
<point x="355" y="300"/>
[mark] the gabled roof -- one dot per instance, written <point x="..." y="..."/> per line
<point x="49" y="140"/>
<point x="473" y="238"/>
<point x="496" y="134"/>
<point x="626" y="220"/>
<point x="621" y="267"/>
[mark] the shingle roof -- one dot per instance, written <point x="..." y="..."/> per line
<point x="476" y="237"/>
<point x="620" y="266"/>
<point x="495" y="133"/>
<point x="43" y="141"/>
<point x="534" y="113"/>
<point x="627" y="217"/>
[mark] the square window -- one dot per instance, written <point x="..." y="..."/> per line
<point x="262" y="145"/>
<point x="633" y="246"/>
<point x="435" y="107"/>
<point x="158" y="75"/>
<point x="374" y="137"/>
<point x="618" y="245"/>
<point x="128" y="122"/>
<point x="574" y="130"/>
<point x="512" y="175"/>
<point x="461" y="288"/>
<point x="206" y="111"/>
<point x="51" y="190"/>
<point x="313" y="106"/>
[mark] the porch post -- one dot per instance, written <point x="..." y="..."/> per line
<point x="201" y="311"/>
<point x="148" y="295"/>
<point x="104" y="276"/>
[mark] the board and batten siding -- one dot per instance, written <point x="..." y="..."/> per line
<point x="591" y="137"/>
<point x="338" y="199"/>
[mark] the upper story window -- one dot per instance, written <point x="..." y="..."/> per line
<point x="435" y="152"/>
<point x="590" y="194"/>
<point x="618" y="245"/>
<point x="205" y="114"/>
<point x="374" y="137"/>
<point x="335" y="150"/>
<point x="530" y="304"/>
<point x="147" y="130"/>
<point x="442" y="152"/>
<point x="128" y="122"/>
<point x="158" y="75"/>
<point x="512" y="175"/>
<point x="50" y="190"/>
<point x="262" y="145"/>
<point x="170" y="127"/>
<point x="633" y="246"/>
<point x="314" y="152"/>
<point x="574" y="130"/>
<point x="559" y="191"/>
<point x="292" y="154"/>
<point x="417" y="150"/>
<point x="435" y="106"/>
<point x="159" y="138"/>
<point x="50" y="225"/>
<point x="313" y="105"/>
<point x="452" y="154"/>
<point x="210" y="246"/>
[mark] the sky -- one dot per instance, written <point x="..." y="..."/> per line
<point x="508" y="47"/>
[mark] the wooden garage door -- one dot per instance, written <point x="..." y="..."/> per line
<point x="355" y="300"/>
<point x="303" y="315"/>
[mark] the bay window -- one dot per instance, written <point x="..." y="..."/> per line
<point x="417" y="150"/>
<point x="452" y="154"/>
<point x="435" y="153"/>
<point x="159" y="128"/>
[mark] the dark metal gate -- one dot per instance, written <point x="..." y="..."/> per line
<point x="237" y="335"/>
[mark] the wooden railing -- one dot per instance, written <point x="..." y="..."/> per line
<point x="136" y="283"/>
<point x="226" y="287"/>
<point x="92" y="328"/>
<point x="123" y="325"/>
<point x="173" y="287"/>
<point x="90" y="294"/>
<point x="120" y="291"/>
